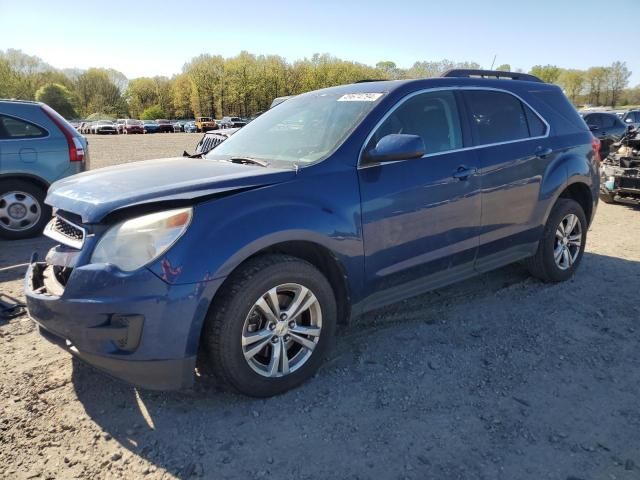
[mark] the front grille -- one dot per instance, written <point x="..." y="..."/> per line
<point x="631" y="183"/>
<point x="209" y="142"/>
<point x="65" y="232"/>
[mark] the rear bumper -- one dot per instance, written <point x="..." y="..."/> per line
<point x="133" y="326"/>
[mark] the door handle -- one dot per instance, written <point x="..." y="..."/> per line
<point x="543" y="152"/>
<point x="463" y="172"/>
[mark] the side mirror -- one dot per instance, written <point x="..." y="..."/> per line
<point x="396" y="146"/>
<point x="593" y="128"/>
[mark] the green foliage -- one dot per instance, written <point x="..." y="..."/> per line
<point x="153" y="113"/>
<point x="57" y="97"/>
<point x="505" y="67"/>
<point x="572" y="81"/>
<point x="546" y="73"/>
<point x="210" y="85"/>
<point x="96" y="92"/>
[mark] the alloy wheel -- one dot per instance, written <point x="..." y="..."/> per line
<point x="568" y="241"/>
<point x="282" y="330"/>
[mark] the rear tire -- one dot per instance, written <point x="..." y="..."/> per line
<point x="20" y="200"/>
<point x="280" y="362"/>
<point x="562" y="245"/>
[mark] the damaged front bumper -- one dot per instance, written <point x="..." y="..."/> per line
<point x="132" y="325"/>
<point x="616" y="180"/>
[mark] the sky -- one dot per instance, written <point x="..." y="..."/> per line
<point x="147" y="38"/>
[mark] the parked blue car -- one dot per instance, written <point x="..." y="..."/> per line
<point x="150" y="126"/>
<point x="335" y="203"/>
<point x="190" y="127"/>
<point x="37" y="147"/>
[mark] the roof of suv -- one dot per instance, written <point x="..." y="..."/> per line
<point x="13" y="100"/>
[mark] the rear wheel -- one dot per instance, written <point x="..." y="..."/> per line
<point x="271" y="326"/>
<point x="562" y="244"/>
<point x="23" y="213"/>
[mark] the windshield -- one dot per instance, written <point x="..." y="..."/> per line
<point x="134" y="122"/>
<point x="149" y="122"/>
<point x="304" y="129"/>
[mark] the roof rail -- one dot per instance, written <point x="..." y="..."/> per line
<point x="490" y="74"/>
<point x="367" y="80"/>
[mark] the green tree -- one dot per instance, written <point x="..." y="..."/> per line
<point x="505" y="67"/>
<point x="97" y="93"/>
<point x="546" y="73"/>
<point x="572" y="81"/>
<point x="596" y="80"/>
<point x="388" y="69"/>
<point x="618" y="80"/>
<point x="181" y="93"/>
<point x="57" y="97"/>
<point x="152" y="113"/>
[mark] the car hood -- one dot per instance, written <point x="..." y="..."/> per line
<point x="97" y="193"/>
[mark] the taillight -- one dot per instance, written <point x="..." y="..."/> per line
<point x="595" y="146"/>
<point x="76" y="150"/>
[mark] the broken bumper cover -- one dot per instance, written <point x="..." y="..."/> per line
<point x="133" y="326"/>
<point x="618" y="180"/>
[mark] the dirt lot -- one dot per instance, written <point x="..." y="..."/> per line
<point x="500" y="377"/>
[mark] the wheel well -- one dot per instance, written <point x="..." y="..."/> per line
<point x="581" y="193"/>
<point x="321" y="258"/>
<point x="27" y="178"/>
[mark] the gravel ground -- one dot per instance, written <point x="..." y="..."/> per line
<point x="499" y="377"/>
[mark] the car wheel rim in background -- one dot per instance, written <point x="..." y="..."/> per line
<point x="19" y="211"/>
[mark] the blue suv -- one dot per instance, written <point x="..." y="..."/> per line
<point x="37" y="147"/>
<point x="337" y="202"/>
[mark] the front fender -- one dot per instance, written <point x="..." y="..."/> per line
<point x="226" y="231"/>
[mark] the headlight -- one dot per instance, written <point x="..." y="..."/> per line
<point x="135" y="242"/>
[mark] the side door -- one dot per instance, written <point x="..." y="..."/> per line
<point x="514" y="152"/>
<point x="420" y="216"/>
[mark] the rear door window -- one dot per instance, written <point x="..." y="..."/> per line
<point x="432" y="116"/>
<point x="608" y="121"/>
<point x="15" y="128"/>
<point x="498" y="117"/>
<point x="593" y="120"/>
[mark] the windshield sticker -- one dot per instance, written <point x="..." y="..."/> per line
<point x="360" y="97"/>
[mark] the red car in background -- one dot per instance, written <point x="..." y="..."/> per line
<point x="130" y="126"/>
<point x="165" y="126"/>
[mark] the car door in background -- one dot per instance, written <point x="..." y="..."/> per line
<point x="513" y="153"/>
<point x="18" y="151"/>
<point x="420" y="216"/>
<point x="607" y="127"/>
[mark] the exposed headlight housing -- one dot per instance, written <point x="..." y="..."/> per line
<point x="134" y="243"/>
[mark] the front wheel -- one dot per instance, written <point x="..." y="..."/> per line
<point x="271" y="326"/>
<point x="562" y="244"/>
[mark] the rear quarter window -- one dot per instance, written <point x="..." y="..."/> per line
<point x="12" y="128"/>
<point x="498" y="117"/>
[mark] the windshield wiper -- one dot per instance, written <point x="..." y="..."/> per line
<point x="249" y="160"/>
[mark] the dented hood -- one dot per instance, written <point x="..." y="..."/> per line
<point x="96" y="193"/>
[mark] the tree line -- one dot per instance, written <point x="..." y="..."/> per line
<point x="210" y="85"/>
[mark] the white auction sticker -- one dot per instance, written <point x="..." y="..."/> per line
<point x="360" y="97"/>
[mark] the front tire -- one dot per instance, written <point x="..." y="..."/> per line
<point x="562" y="244"/>
<point x="23" y="213"/>
<point x="271" y="326"/>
